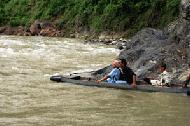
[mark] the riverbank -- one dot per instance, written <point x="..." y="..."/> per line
<point x="86" y="18"/>
<point x="47" y="29"/>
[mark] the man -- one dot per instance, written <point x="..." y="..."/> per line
<point x="114" y="75"/>
<point x="127" y="73"/>
<point x="164" y="78"/>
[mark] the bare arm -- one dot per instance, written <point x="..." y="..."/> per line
<point x="134" y="81"/>
<point x="104" y="78"/>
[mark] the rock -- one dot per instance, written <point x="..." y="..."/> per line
<point x="154" y="45"/>
<point x="120" y="47"/>
<point x="44" y="28"/>
<point x="20" y="31"/>
<point x="185" y="9"/>
<point x="48" y="32"/>
<point x="2" y="29"/>
<point x="9" y="31"/>
<point x="72" y="35"/>
<point x="35" y="28"/>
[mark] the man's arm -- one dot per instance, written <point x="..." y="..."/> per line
<point x="104" y="78"/>
<point x="134" y="83"/>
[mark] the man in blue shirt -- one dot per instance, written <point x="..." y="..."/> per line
<point x="114" y="75"/>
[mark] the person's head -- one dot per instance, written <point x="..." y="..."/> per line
<point x="123" y="63"/>
<point x="115" y="63"/>
<point x="162" y="67"/>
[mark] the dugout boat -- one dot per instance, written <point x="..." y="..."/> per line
<point x="88" y="81"/>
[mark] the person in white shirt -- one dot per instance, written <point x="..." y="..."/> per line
<point x="184" y="85"/>
<point x="163" y="79"/>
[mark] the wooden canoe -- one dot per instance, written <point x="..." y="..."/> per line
<point x="78" y="80"/>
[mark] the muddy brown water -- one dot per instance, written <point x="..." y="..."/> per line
<point x="28" y="98"/>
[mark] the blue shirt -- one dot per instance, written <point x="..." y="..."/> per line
<point x="113" y="76"/>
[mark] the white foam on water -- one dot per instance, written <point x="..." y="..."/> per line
<point x="14" y="68"/>
<point x="11" y="43"/>
<point x="6" y="52"/>
<point x="54" y="53"/>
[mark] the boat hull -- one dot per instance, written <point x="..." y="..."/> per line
<point x="77" y="80"/>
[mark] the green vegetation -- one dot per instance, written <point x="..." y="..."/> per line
<point x="94" y="15"/>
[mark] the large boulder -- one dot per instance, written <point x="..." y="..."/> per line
<point x="145" y="50"/>
<point x="150" y="46"/>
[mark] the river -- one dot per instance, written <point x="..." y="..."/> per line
<point x="29" y="98"/>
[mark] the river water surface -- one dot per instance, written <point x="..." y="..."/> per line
<point x="28" y="98"/>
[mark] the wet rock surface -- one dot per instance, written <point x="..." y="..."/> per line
<point x="120" y="43"/>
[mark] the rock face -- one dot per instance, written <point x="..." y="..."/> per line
<point x="149" y="47"/>
<point x="144" y="50"/>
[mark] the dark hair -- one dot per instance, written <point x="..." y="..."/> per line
<point x="163" y="65"/>
<point x="123" y="61"/>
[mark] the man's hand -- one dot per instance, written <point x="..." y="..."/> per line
<point x="98" y="81"/>
<point x="133" y="85"/>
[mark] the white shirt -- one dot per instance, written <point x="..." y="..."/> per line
<point x="165" y="77"/>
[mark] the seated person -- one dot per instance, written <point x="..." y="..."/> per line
<point x="114" y="75"/>
<point x="186" y="82"/>
<point x="127" y="74"/>
<point x="163" y="79"/>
